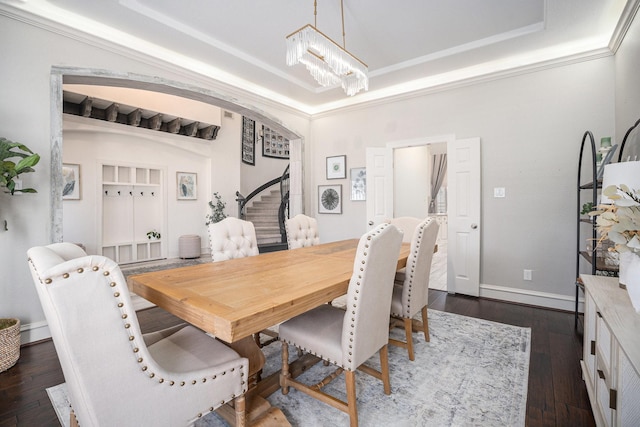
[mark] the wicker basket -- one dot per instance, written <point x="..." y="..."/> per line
<point x="9" y="345"/>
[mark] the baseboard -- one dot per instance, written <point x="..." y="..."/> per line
<point x="530" y="297"/>
<point x="32" y="332"/>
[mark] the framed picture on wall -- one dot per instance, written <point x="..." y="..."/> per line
<point x="248" y="141"/>
<point x="336" y="167"/>
<point x="358" y="184"/>
<point x="186" y="183"/>
<point x="330" y="199"/>
<point x="273" y="144"/>
<point x="70" y="181"/>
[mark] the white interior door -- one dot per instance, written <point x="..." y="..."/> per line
<point x="379" y="185"/>
<point x="463" y="261"/>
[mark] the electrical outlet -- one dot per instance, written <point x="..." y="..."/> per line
<point x="528" y="274"/>
<point x="499" y="192"/>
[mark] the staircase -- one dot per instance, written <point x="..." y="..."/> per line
<point x="263" y="214"/>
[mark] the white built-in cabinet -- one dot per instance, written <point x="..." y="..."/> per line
<point x="133" y="203"/>
<point x="611" y="359"/>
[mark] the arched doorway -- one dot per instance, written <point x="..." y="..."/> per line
<point x="70" y="75"/>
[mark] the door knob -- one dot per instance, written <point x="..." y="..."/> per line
<point x="474" y="226"/>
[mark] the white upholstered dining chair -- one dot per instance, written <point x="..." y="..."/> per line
<point x="302" y="231"/>
<point x="232" y="238"/>
<point x="115" y="375"/>
<point x="411" y="295"/>
<point x="348" y="338"/>
<point x="406" y="224"/>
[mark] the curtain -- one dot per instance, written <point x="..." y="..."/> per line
<point x="438" y="172"/>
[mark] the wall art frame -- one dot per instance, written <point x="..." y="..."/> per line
<point x="71" y="181"/>
<point x="330" y="199"/>
<point x="358" y="184"/>
<point x="273" y="144"/>
<point x="186" y="185"/>
<point x="248" y="141"/>
<point x="337" y="167"/>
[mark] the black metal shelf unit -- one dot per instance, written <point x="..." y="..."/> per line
<point x="588" y="192"/>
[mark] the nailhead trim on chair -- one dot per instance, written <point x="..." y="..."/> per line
<point x="413" y="268"/>
<point x="353" y="312"/>
<point x="132" y="338"/>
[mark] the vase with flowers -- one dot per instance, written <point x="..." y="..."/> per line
<point x="619" y="222"/>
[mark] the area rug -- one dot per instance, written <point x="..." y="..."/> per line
<point x="472" y="373"/>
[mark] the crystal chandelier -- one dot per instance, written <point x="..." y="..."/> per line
<point x="329" y="63"/>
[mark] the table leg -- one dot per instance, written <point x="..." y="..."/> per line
<point x="259" y="410"/>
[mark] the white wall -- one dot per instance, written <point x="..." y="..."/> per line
<point x="265" y="168"/>
<point x="89" y="142"/>
<point x="530" y="128"/>
<point x="627" y="111"/>
<point x="411" y="181"/>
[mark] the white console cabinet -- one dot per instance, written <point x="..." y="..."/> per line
<point x="611" y="359"/>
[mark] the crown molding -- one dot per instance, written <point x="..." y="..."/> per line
<point x="627" y="17"/>
<point x="246" y="95"/>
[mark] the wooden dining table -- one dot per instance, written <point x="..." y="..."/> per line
<point x="235" y="299"/>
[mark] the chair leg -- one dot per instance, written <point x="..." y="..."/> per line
<point x="241" y="414"/>
<point x="425" y="324"/>
<point x="408" y="330"/>
<point x="384" y="369"/>
<point x="350" y="378"/>
<point x="284" y="374"/>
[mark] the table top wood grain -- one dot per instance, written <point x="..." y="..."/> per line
<point x="236" y="298"/>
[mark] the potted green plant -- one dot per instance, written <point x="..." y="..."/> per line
<point x="217" y="210"/>
<point x="153" y="235"/>
<point x="10" y="170"/>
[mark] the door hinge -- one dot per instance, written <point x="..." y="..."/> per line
<point x="593" y="347"/>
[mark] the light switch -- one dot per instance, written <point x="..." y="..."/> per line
<point x="498" y="192"/>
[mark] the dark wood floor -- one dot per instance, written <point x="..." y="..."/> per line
<point x="557" y="394"/>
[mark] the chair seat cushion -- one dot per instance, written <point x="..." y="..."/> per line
<point x="190" y="349"/>
<point x="318" y="331"/>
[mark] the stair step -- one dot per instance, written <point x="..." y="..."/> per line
<point x="262" y="211"/>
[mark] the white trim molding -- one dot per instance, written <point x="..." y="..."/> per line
<point x="531" y="297"/>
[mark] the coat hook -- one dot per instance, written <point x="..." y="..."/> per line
<point x="131" y="193"/>
<point x="118" y="192"/>
<point x="153" y="193"/>
<point x="106" y="192"/>
<point x="142" y="193"/>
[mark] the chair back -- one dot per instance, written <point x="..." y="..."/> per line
<point x="232" y="238"/>
<point x="302" y="231"/>
<point x="415" y="289"/>
<point x="366" y="323"/>
<point x="94" y="329"/>
<point x="406" y="224"/>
